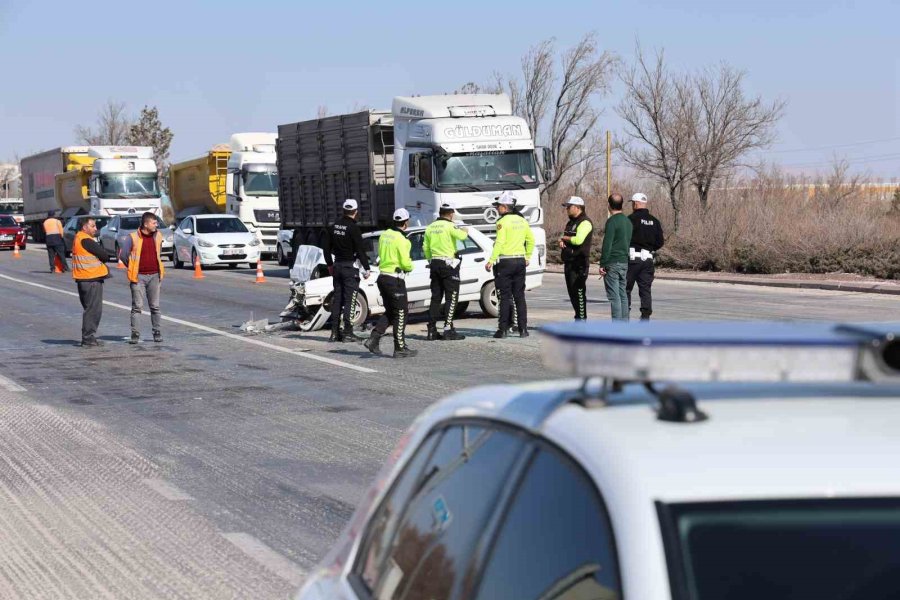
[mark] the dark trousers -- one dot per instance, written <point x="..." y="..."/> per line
<point x="91" y="295"/>
<point x="393" y="293"/>
<point x="642" y="272"/>
<point x="576" y="273"/>
<point x="509" y="278"/>
<point x="444" y="285"/>
<point x="346" y="288"/>
<point x="56" y="247"/>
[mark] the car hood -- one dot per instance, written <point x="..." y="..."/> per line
<point x="9" y="230"/>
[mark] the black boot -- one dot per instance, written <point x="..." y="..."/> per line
<point x="336" y="335"/>
<point x="523" y="332"/>
<point x="372" y="344"/>
<point x="433" y="333"/>
<point x="452" y="335"/>
<point x="500" y="334"/>
<point x="404" y="352"/>
<point x="349" y="336"/>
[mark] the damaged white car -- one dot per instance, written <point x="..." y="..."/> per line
<point x="311" y="286"/>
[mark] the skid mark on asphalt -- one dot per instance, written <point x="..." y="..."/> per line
<point x="166" y="490"/>
<point x="299" y="352"/>
<point x="270" y="559"/>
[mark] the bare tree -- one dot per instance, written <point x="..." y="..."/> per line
<point x="321" y="111"/>
<point x="728" y="126"/>
<point x="658" y="110"/>
<point x="149" y="131"/>
<point x="111" y="129"/>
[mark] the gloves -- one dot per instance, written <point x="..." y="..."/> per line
<point x="331" y="270"/>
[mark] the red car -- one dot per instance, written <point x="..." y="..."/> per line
<point x="11" y="233"/>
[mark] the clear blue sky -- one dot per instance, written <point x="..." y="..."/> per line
<point x="214" y="68"/>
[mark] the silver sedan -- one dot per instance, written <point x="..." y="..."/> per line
<point x="121" y="226"/>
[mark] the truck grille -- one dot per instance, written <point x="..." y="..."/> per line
<point x="267" y="216"/>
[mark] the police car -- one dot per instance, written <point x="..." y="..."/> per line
<point x="683" y="461"/>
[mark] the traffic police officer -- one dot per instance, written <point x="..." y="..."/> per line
<point x="345" y="241"/>
<point x="576" y="249"/>
<point x="439" y="247"/>
<point x="512" y="252"/>
<point x="394" y="262"/>
<point x="646" y="238"/>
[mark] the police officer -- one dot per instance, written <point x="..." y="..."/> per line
<point x="512" y="252"/>
<point x="646" y="238"/>
<point x="345" y="241"/>
<point x="439" y="247"/>
<point x="576" y="249"/>
<point x="394" y="262"/>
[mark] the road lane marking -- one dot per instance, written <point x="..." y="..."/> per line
<point x="292" y="351"/>
<point x="166" y="490"/>
<point x="267" y="557"/>
<point x="9" y="385"/>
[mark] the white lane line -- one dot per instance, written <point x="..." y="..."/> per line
<point x="166" y="490"/>
<point x="292" y="351"/>
<point x="270" y="559"/>
<point x="9" y="385"/>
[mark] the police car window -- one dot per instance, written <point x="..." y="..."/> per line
<point x="451" y="502"/>
<point x="555" y="541"/>
<point x="416" y="252"/>
<point x="467" y="246"/>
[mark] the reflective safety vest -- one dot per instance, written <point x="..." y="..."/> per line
<point x="53" y="226"/>
<point x="84" y="264"/>
<point x="394" y="252"/>
<point x="514" y="237"/>
<point x="440" y="239"/>
<point x="134" y="259"/>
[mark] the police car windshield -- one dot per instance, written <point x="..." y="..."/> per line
<point x="487" y="170"/>
<point x="781" y="550"/>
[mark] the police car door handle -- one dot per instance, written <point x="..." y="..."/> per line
<point x="481" y="259"/>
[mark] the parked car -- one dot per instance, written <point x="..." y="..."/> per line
<point x="11" y="233"/>
<point x="311" y="300"/>
<point x="284" y="252"/>
<point x="74" y="224"/>
<point x="215" y="240"/>
<point x="121" y="226"/>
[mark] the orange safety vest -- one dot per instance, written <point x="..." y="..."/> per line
<point x="134" y="259"/>
<point x="53" y="226"/>
<point x="84" y="264"/>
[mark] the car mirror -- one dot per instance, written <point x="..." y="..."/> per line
<point x="113" y="229"/>
<point x="186" y="231"/>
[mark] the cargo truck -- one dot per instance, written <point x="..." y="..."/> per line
<point x="76" y="180"/>
<point x="465" y="149"/>
<point x="238" y="178"/>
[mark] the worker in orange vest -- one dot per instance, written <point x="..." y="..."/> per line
<point x="89" y="271"/>
<point x="56" y="246"/>
<point x="142" y="253"/>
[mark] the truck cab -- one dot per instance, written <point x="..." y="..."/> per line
<point x="252" y="186"/>
<point x="123" y="179"/>
<point x="463" y="149"/>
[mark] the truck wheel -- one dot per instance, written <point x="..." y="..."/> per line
<point x="489" y="304"/>
<point x="282" y="261"/>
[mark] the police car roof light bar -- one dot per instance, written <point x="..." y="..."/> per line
<point x="719" y="351"/>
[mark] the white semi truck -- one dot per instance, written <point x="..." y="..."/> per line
<point x="427" y="150"/>
<point x="99" y="180"/>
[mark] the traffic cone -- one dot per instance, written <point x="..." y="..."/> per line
<point x="260" y="278"/>
<point x="198" y="272"/>
<point x="120" y="265"/>
<point x="57" y="265"/>
<point x="16" y="251"/>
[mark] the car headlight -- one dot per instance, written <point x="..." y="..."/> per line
<point x="255" y="242"/>
<point x="205" y="244"/>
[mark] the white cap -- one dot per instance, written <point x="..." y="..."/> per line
<point x="639" y="197"/>
<point x="448" y="205"/>
<point x="350" y="204"/>
<point x="505" y="198"/>
<point x="574" y="201"/>
<point x="400" y="215"/>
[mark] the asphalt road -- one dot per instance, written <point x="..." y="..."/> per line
<point x="224" y="464"/>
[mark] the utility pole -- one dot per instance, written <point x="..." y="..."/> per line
<point x="608" y="164"/>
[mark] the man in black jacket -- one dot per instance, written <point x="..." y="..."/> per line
<point x="646" y="238"/>
<point x="345" y="241"/>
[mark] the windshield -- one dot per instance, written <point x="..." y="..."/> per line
<point x="487" y="170"/>
<point x="6" y="221"/>
<point x="786" y="550"/>
<point x="261" y="183"/>
<point x="129" y="223"/>
<point x="14" y="208"/>
<point x="100" y="221"/>
<point x="222" y="225"/>
<point x="134" y="185"/>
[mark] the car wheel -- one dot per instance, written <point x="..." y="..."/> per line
<point x="115" y="256"/>
<point x="489" y="303"/>
<point x="282" y="261"/>
<point x="194" y="257"/>
<point x="175" y="261"/>
<point x="360" y="311"/>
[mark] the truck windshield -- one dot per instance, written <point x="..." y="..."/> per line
<point x="10" y="208"/>
<point x="261" y="183"/>
<point x="137" y="185"/>
<point x="783" y="550"/>
<point x="487" y="170"/>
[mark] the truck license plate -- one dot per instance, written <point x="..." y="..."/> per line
<point x="232" y="251"/>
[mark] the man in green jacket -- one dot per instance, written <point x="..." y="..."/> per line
<point x="394" y="262"/>
<point x="614" y="258"/>
<point x="439" y="247"/>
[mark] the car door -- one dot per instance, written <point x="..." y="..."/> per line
<point x="418" y="283"/>
<point x="471" y="268"/>
<point x="69" y="233"/>
<point x="108" y="235"/>
<point x="183" y="240"/>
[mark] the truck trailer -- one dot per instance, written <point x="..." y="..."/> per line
<point x="76" y="180"/>
<point x="463" y="149"/>
<point x="238" y="178"/>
